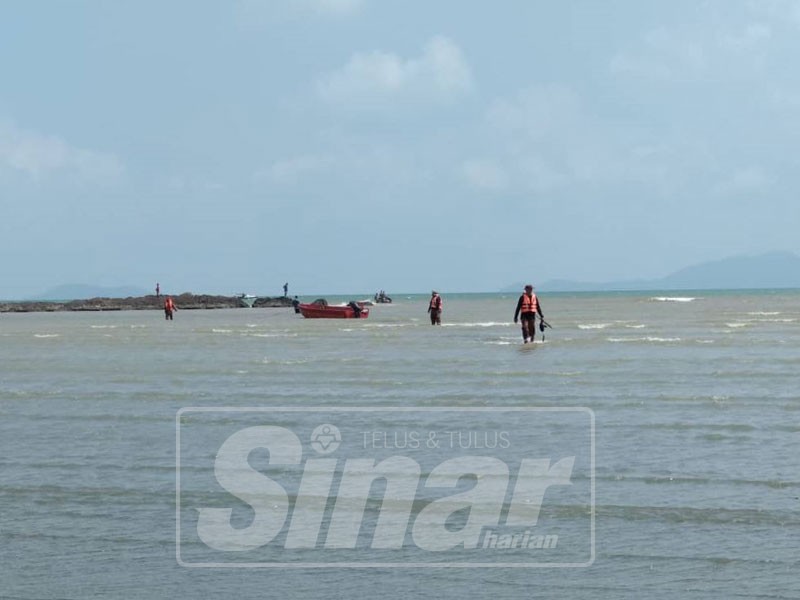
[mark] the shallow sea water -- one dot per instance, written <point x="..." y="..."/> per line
<point x="695" y="396"/>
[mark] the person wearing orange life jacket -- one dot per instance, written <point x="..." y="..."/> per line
<point x="435" y="308"/>
<point x="169" y="308"/>
<point x="527" y="307"/>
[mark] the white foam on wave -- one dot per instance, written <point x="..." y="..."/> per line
<point x="649" y="338"/>
<point x="270" y="335"/>
<point x="46" y="335"/>
<point x="773" y="320"/>
<point x="673" y="299"/>
<point x="637" y="326"/>
<point x="594" y="326"/>
<point x="222" y="331"/>
<point x="499" y="343"/>
<point x="764" y="313"/>
<point x="486" y="324"/>
<point x="267" y="361"/>
<point x="103" y="326"/>
<point x="737" y="325"/>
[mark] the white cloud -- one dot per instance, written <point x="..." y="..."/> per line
<point x="372" y="79"/>
<point x="663" y="54"/>
<point x="39" y="156"/>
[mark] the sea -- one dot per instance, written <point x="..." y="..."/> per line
<point x="686" y="482"/>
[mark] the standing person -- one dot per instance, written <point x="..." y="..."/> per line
<point x="158" y="290"/>
<point x="527" y="307"/>
<point x="285" y="289"/>
<point x="169" y="308"/>
<point x="296" y="305"/>
<point x="435" y="308"/>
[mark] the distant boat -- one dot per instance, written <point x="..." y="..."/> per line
<point x="247" y="300"/>
<point x="318" y="310"/>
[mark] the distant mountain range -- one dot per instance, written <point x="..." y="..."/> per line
<point x="82" y="292"/>
<point x="772" y="270"/>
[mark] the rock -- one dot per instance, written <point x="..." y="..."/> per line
<point x="185" y="301"/>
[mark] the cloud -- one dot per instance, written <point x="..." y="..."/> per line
<point x="663" y="54"/>
<point x="39" y="156"/>
<point x="545" y="138"/>
<point x="376" y="78"/>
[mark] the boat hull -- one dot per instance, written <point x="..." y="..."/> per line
<point x="318" y="311"/>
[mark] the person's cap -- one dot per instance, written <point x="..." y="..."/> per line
<point x="434" y="292"/>
<point x="529" y="287"/>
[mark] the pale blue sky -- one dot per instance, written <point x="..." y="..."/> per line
<point x="352" y="145"/>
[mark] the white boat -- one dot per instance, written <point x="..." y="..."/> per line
<point x="247" y="300"/>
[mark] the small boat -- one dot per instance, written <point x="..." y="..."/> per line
<point x="247" y="300"/>
<point x="318" y="310"/>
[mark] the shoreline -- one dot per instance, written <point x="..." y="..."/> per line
<point x="185" y="301"/>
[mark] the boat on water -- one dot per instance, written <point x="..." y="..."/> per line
<point x="322" y="310"/>
<point x="247" y="300"/>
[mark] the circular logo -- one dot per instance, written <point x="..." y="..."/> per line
<point x="325" y="439"/>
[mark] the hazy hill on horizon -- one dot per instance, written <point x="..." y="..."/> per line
<point x="764" y="271"/>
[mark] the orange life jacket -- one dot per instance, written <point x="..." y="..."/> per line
<point x="529" y="304"/>
<point x="436" y="303"/>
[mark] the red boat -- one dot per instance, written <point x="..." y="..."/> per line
<point x="324" y="311"/>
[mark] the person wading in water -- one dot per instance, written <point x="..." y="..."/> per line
<point x="527" y="307"/>
<point x="169" y="308"/>
<point x="435" y="308"/>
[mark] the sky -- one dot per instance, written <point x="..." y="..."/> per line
<point x="356" y="145"/>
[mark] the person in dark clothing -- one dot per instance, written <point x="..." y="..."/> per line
<point x="296" y="304"/>
<point x="435" y="308"/>
<point x="527" y="307"/>
<point x="285" y="289"/>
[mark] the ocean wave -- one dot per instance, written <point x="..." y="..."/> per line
<point x="270" y="335"/>
<point x="737" y="325"/>
<point x="594" y="326"/>
<point x="637" y="326"/>
<point x="268" y="361"/>
<point x="479" y="324"/>
<point x="222" y="330"/>
<point x="764" y="313"/>
<point x="46" y="335"/>
<point x="649" y="338"/>
<point x="103" y="326"/>
<point x="772" y="320"/>
<point x="673" y="299"/>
